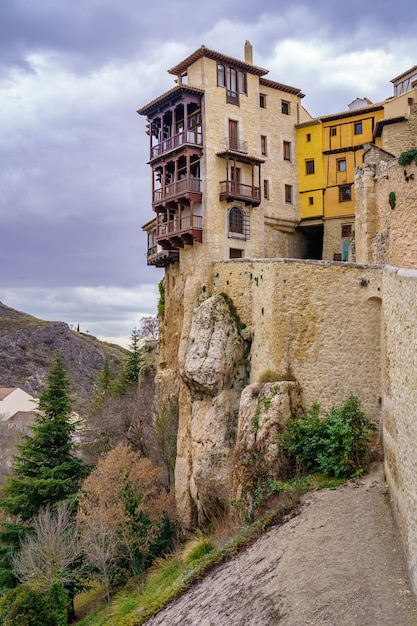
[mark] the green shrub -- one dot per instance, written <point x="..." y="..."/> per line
<point x="27" y="606"/>
<point x="335" y="443"/>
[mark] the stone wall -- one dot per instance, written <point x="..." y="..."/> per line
<point x="386" y="234"/>
<point x="316" y="321"/>
<point x="399" y="406"/>
<point x="336" y="328"/>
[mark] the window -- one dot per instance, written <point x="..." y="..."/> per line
<point x="333" y="131"/>
<point x="238" y="223"/>
<point x="310" y="166"/>
<point x="285" y="107"/>
<point x="287" y="151"/>
<point x="346" y="230"/>
<point x="341" y="165"/>
<point x="241" y="82"/>
<point x="358" y="128"/>
<point x="262" y="100"/>
<point x="235" y="253"/>
<point x="310" y="200"/>
<point x="263" y="145"/>
<point x="288" y="194"/>
<point x="308" y="137"/>
<point x="236" y="220"/>
<point x="221" y="80"/>
<point x="235" y="82"/>
<point x="345" y="193"/>
<point x="266" y="189"/>
<point x="233" y="135"/>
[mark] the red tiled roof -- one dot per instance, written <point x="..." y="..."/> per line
<point x="6" y="391"/>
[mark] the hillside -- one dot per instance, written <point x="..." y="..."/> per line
<point x="27" y="345"/>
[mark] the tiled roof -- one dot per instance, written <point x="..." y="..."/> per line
<point x="181" y="68"/>
<point x="6" y="391"/>
<point x="343" y="114"/>
<point x="274" y="85"/>
<point x="167" y="95"/>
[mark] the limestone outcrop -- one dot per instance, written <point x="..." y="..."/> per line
<point x="264" y="411"/>
<point x="214" y="375"/>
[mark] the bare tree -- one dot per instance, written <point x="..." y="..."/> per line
<point x="47" y="555"/>
<point x="149" y="327"/>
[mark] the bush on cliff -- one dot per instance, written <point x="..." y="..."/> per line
<point x="335" y="443"/>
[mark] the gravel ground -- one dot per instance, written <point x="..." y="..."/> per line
<point x="337" y="563"/>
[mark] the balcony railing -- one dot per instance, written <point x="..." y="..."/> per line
<point x="178" y="189"/>
<point x="231" y="190"/>
<point x="232" y="97"/>
<point x="232" y="143"/>
<point x="161" y="258"/>
<point x="179" y="230"/>
<point x="190" y="137"/>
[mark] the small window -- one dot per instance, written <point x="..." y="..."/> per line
<point x="346" y="230"/>
<point x="221" y="81"/>
<point x="310" y="166"/>
<point x="358" y="128"/>
<point x="287" y="150"/>
<point x="410" y="101"/>
<point x="341" y="165"/>
<point x="285" y="107"/>
<point x="266" y="189"/>
<point x="235" y="253"/>
<point x="288" y="194"/>
<point x="345" y="193"/>
<point x="310" y="200"/>
<point x="308" y="137"/>
<point x="264" y="145"/>
<point x="333" y="131"/>
<point x="262" y="100"/>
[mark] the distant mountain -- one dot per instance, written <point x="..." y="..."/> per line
<point x="27" y="345"/>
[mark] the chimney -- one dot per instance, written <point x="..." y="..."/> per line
<point x="248" y="52"/>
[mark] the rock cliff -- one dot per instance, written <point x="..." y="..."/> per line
<point x="27" y="345"/>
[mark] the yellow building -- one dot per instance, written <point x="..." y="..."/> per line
<point x="328" y="151"/>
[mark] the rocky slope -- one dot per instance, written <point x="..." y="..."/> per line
<point x="27" y="345"/>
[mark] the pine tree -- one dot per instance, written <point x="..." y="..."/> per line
<point x="132" y="364"/>
<point x="45" y="471"/>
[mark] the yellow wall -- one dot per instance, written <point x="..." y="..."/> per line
<point x="339" y="134"/>
<point x="310" y="185"/>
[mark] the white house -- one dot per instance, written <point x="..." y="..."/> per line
<point x="15" y="401"/>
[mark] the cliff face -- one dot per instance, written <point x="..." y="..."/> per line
<point x="27" y="345"/>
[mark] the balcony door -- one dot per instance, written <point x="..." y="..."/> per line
<point x="233" y="135"/>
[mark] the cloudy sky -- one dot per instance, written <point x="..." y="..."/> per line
<point x="74" y="184"/>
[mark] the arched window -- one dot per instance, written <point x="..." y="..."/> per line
<point x="236" y="219"/>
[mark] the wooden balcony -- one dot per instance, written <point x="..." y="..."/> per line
<point x="179" y="231"/>
<point x="184" y="138"/>
<point x="231" y="190"/>
<point x="187" y="188"/>
<point x="236" y="145"/>
<point x="161" y="258"/>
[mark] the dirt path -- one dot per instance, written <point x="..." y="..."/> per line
<point x="337" y="563"/>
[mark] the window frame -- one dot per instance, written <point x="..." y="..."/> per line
<point x="310" y="167"/>
<point x="339" y="163"/>
<point x="286" y="148"/>
<point x="345" y="193"/>
<point x="262" y="100"/>
<point x="266" y="188"/>
<point x="264" y="145"/>
<point x="285" y="107"/>
<point x="358" y="128"/>
<point x="288" y="194"/>
<point x="333" y="131"/>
